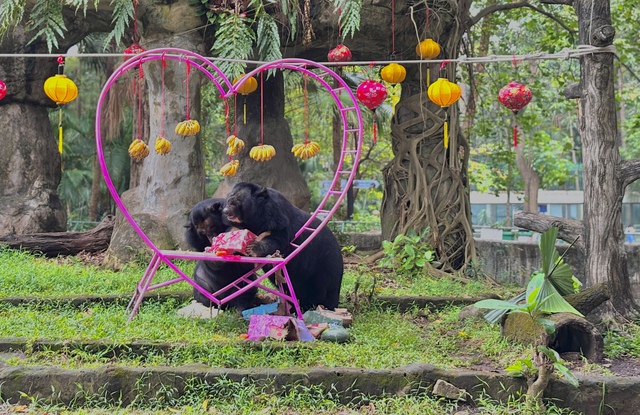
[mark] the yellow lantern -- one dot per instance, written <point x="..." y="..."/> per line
<point x="61" y="90"/>
<point x="246" y="88"/>
<point x="393" y="73"/>
<point x="428" y="49"/>
<point x="444" y="93"/>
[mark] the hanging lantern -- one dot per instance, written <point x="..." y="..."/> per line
<point x="340" y="53"/>
<point x="393" y="73"/>
<point x="444" y="93"/>
<point x="428" y="49"/>
<point x="61" y="90"/>
<point x="245" y="89"/>
<point x="515" y="96"/>
<point x="372" y="93"/>
<point x="3" y="90"/>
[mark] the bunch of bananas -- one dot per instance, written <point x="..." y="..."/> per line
<point x="163" y="146"/>
<point x="230" y="168"/>
<point x="262" y="153"/>
<point x="188" y="128"/>
<point x="138" y="149"/>
<point x="235" y="145"/>
<point x="307" y="150"/>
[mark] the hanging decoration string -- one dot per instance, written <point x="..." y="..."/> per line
<point x="339" y="24"/>
<point x="164" y="64"/>
<point x="306" y="109"/>
<point x="135" y="21"/>
<point x="235" y="114"/>
<point x="187" y="81"/>
<point x="261" y="108"/>
<point x="393" y="28"/>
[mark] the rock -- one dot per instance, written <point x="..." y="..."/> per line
<point x="470" y="312"/>
<point x="198" y="310"/>
<point x="449" y="391"/>
<point x="335" y="334"/>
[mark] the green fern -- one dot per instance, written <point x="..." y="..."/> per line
<point x="122" y="14"/>
<point x="11" y="12"/>
<point x="234" y="40"/>
<point x="268" y="39"/>
<point x="290" y="9"/>
<point x="46" y="18"/>
<point x="349" y="18"/>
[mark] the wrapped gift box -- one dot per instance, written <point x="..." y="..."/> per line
<point x="231" y="242"/>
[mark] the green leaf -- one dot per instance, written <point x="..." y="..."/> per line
<point x="550" y="301"/>
<point x="548" y="250"/>
<point x="520" y="368"/>
<point x="549" y="325"/>
<point x="567" y="374"/>
<point x="496" y="304"/>
<point x="551" y="354"/>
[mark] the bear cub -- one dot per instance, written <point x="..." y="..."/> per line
<point x="205" y="223"/>
<point x="316" y="272"/>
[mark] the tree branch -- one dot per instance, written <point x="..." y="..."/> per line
<point x="508" y="6"/>
<point x="629" y="171"/>
<point x="568" y="229"/>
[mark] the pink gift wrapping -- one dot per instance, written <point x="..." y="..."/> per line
<point x="232" y="241"/>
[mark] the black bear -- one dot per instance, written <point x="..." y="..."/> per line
<point x="316" y="272"/>
<point x="205" y="223"/>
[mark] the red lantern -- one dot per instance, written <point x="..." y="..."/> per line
<point x="515" y="96"/>
<point x="372" y="94"/>
<point x="340" y="53"/>
<point x="3" y="90"/>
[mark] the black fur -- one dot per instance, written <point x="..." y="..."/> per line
<point x="205" y="223"/>
<point x="316" y="272"/>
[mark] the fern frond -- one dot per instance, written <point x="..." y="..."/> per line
<point x="46" y="18"/>
<point x="234" y="40"/>
<point x="290" y="10"/>
<point x="349" y="18"/>
<point x="81" y="4"/>
<point x="11" y="12"/>
<point x="268" y="39"/>
<point x="122" y="14"/>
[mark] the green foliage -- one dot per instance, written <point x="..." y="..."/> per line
<point x="349" y="16"/>
<point x="268" y="39"/>
<point x="46" y="19"/>
<point x="234" y="40"/>
<point x="408" y="253"/>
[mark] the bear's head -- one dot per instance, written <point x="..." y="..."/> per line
<point x="245" y="203"/>
<point x="206" y="220"/>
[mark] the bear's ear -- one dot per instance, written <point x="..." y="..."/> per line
<point x="215" y="207"/>
<point x="262" y="192"/>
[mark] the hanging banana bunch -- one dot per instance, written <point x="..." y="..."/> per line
<point x="138" y="149"/>
<point x="235" y="145"/>
<point x="230" y="169"/>
<point x="163" y="146"/>
<point x="263" y="152"/>
<point x="188" y="128"/>
<point x="306" y="150"/>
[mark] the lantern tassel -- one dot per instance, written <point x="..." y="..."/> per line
<point x="428" y="77"/>
<point x="446" y="129"/>
<point x="60" y="130"/>
<point x="515" y="135"/>
<point x="244" y="111"/>
<point x="375" y="128"/>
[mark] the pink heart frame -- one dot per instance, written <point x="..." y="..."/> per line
<point x="345" y="173"/>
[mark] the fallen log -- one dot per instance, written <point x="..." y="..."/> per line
<point x="52" y="244"/>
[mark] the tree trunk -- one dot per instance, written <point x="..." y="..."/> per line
<point x="530" y="177"/>
<point x="426" y="185"/>
<point x="169" y="185"/>
<point x="603" y="189"/>
<point x="53" y="244"/>
<point x="30" y="165"/>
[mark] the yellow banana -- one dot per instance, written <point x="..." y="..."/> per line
<point x="306" y="151"/>
<point x="188" y="128"/>
<point x="230" y="169"/>
<point x="264" y="152"/>
<point x="138" y="149"/>
<point x="235" y="145"/>
<point x="163" y="146"/>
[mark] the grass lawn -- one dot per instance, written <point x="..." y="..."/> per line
<point x="380" y="337"/>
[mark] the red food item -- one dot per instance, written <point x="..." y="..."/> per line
<point x="340" y="53"/>
<point x="231" y="242"/>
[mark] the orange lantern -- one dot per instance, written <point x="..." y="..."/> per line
<point x="428" y="49"/>
<point x="393" y="73"/>
<point x="245" y="89"/>
<point x="444" y="93"/>
<point x="61" y="90"/>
